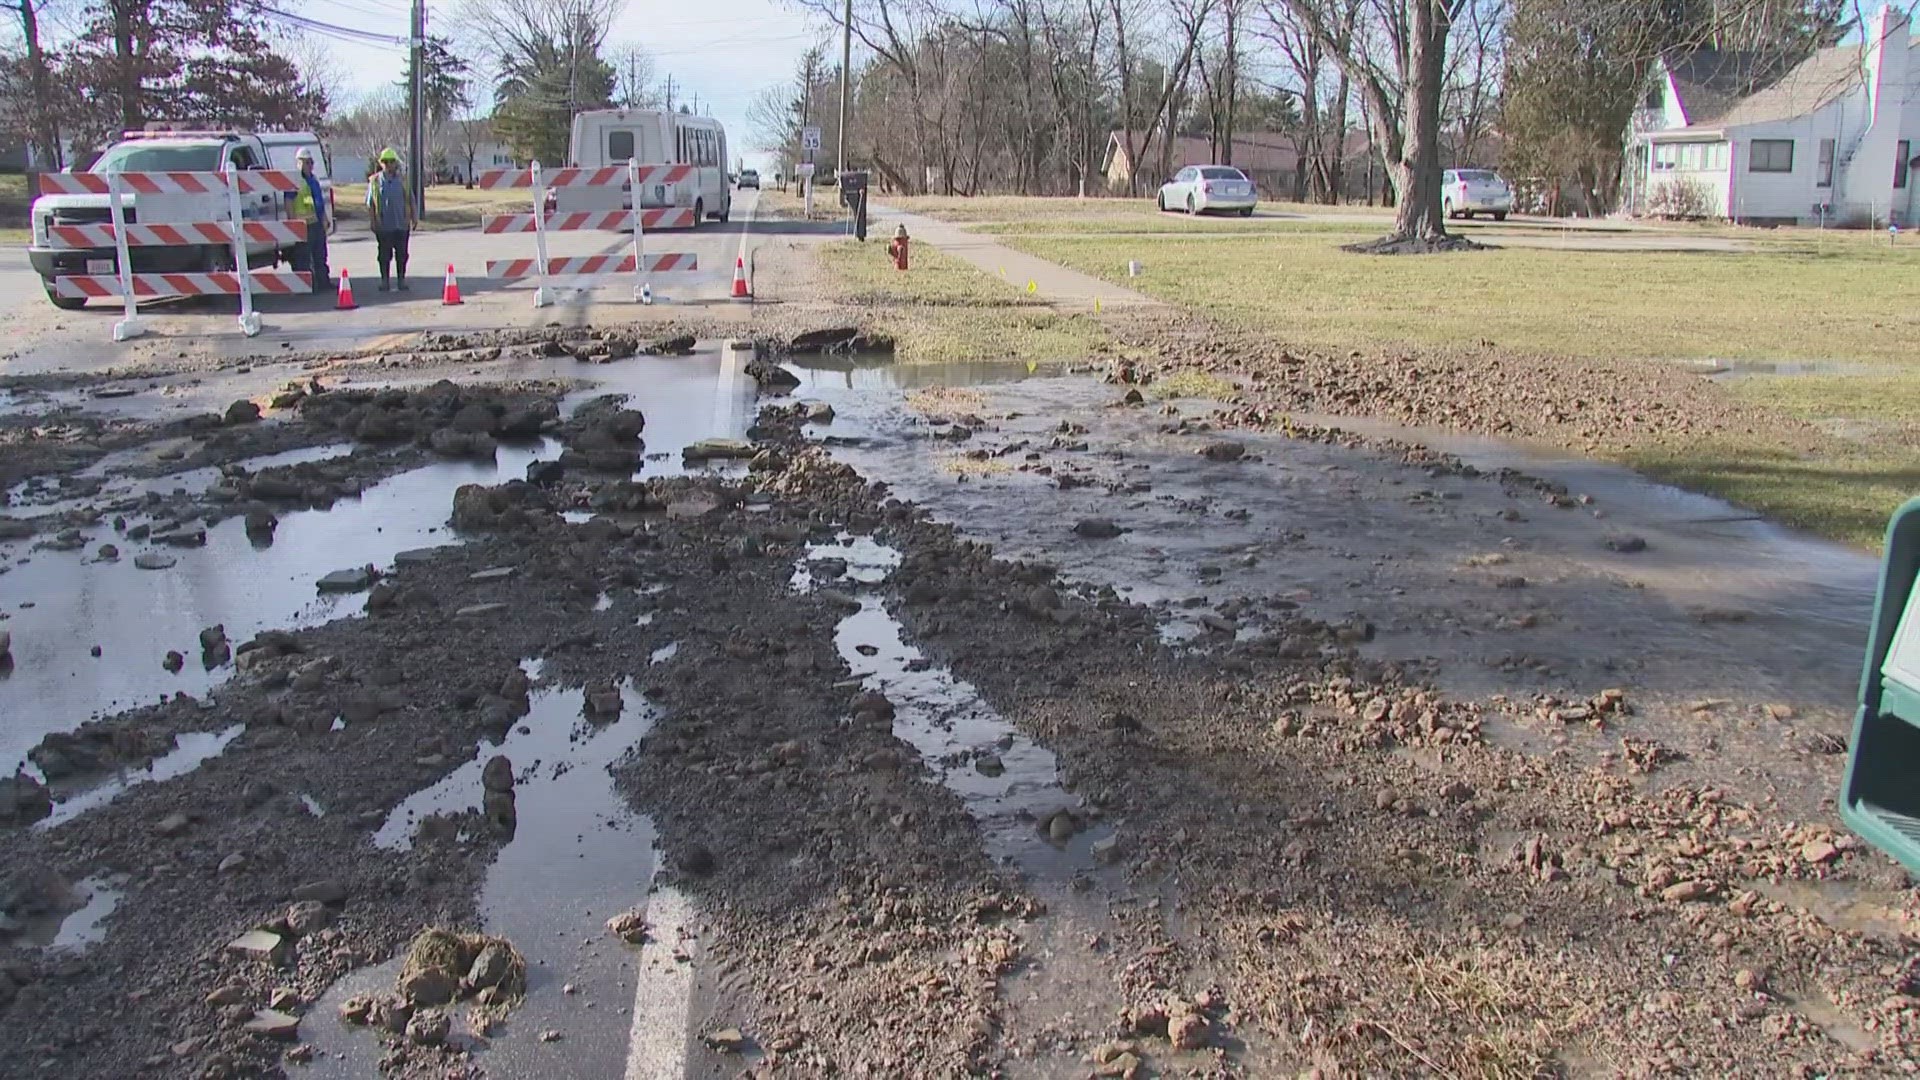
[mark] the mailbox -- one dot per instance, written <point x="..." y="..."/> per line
<point x="853" y="188"/>
<point x="1880" y="798"/>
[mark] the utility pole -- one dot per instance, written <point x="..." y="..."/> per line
<point x="417" y="126"/>
<point x="846" y="66"/>
<point x="669" y="91"/>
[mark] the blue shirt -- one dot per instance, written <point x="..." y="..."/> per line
<point x="388" y="197"/>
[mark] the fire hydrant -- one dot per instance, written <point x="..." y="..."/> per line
<point x="897" y="248"/>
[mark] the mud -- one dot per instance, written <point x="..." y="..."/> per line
<point x="1321" y="751"/>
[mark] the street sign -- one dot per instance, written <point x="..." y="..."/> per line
<point x="806" y="169"/>
<point x="810" y="137"/>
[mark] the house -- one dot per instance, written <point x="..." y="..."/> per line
<point x="1268" y="157"/>
<point x="1829" y="140"/>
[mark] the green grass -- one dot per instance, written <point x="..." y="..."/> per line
<point x="1022" y="208"/>
<point x="14" y="205"/>
<point x="944" y="310"/>
<point x="1840" y="300"/>
<point x="1846" y="492"/>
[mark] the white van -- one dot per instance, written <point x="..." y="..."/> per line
<point x="605" y="137"/>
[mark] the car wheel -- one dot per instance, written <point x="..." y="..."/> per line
<point x="1446" y="207"/>
<point x="1468" y="214"/>
<point x="1160" y="201"/>
<point x="1190" y="207"/>
<point x="1499" y="215"/>
<point x="1246" y="211"/>
<point x="64" y="303"/>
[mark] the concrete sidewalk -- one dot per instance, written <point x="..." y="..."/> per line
<point x="1059" y="286"/>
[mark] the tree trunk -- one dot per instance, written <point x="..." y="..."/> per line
<point x="45" y="128"/>
<point x="1416" y="173"/>
<point x="1232" y="80"/>
<point x="132" y="111"/>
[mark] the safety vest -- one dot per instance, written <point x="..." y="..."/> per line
<point x="376" y="204"/>
<point x="303" y="209"/>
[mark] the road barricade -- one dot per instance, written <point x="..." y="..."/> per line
<point x="588" y="267"/>
<point x="236" y="231"/>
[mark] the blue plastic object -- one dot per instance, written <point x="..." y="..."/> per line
<point x="1880" y="798"/>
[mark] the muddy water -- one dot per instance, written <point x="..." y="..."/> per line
<point x="27" y="500"/>
<point x="577" y="857"/>
<point x="135" y="616"/>
<point x="1489" y="588"/>
<point x="190" y="750"/>
<point x="1008" y="783"/>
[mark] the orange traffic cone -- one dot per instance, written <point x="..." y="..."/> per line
<point x="344" y="302"/>
<point x="740" y="278"/>
<point x="450" y="293"/>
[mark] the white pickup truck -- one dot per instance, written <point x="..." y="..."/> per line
<point x="168" y="152"/>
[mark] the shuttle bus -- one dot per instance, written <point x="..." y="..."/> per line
<point x="606" y="137"/>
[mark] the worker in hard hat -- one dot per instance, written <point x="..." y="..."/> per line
<point x="310" y="205"/>
<point x="390" y="208"/>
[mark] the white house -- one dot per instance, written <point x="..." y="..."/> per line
<point x="1830" y="140"/>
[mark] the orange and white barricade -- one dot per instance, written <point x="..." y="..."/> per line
<point x="540" y="223"/>
<point x="237" y="231"/>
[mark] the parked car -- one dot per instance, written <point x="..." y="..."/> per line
<point x="1466" y="192"/>
<point x="160" y="151"/>
<point x="750" y="178"/>
<point x="1200" y="189"/>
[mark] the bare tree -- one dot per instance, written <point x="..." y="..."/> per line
<point x="1396" y="53"/>
<point x="633" y="77"/>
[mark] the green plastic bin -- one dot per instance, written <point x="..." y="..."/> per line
<point x="1880" y="798"/>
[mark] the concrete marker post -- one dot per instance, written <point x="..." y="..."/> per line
<point x="129" y="326"/>
<point x="249" y="319"/>
<point x="542" y="296"/>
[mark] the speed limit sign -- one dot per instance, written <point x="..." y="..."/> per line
<point x="810" y="137"/>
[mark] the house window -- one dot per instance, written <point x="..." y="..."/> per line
<point x="1900" y="161"/>
<point x="1824" y="177"/>
<point x="1771" y="156"/>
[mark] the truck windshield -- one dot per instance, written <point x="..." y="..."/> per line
<point x="135" y="157"/>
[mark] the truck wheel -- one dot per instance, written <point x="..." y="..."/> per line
<point x="699" y="212"/>
<point x="64" y="303"/>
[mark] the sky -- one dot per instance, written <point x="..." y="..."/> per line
<point x="720" y="53"/>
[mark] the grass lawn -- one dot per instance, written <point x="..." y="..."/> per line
<point x="449" y="206"/>
<point x="1020" y="209"/>
<point x="945" y="310"/>
<point x="1837" y="299"/>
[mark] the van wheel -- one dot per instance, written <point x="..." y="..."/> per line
<point x="726" y="211"/>
<point x="699" y="212"/>
<point x="64" y="303"/>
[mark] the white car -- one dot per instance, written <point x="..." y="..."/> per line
<point x="1199" y="189"/>
<point x="1466" y="192"/>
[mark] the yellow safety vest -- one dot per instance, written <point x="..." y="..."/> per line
<point x="303" y="209"/>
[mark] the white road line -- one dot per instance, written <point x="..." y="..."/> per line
<point x="663" y="991"/>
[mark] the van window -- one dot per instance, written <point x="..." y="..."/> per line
<point x="619" y="146"/>
<point x="242" y="158"/>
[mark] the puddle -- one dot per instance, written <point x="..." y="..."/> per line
<point x="867" y="562"/>
<point x="578" y="856"/>
<point x="136" y="615"/>
<point x="77" y="922"/>
<point x="953" y="728"/>
<point x="49" y="499"/>
<point x="1232" y="550"/>
<point x="864" y="373"/>
<point x="190" y="750"/>
<point x="1740" y="369"/>
<point x="664" y="653"/>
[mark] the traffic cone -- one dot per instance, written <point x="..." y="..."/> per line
<point x="740" y="278"/>
<point x="344" y="302"/>
<point x="450" y="292"/>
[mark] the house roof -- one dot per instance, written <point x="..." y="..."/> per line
<point x="1710" y="81"/>
<point x="1811" y="85"/>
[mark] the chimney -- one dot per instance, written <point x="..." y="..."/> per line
<point x="1886" y="44"/>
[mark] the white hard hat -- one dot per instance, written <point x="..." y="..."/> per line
<point x="303" y="154"/>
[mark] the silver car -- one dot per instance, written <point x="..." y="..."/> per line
<point x="1466" y="192"/>
<point x="1200" y="189"/>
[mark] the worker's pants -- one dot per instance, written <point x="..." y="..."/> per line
<point x="312" y="256"/>
<point x="391" y="250"/>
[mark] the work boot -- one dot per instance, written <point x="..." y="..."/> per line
<point x="403" y="286"/>
<point x="384" y="286"/>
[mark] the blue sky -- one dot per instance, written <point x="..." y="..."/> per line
<point x="720" y="52"/>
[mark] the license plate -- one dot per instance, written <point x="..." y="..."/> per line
<point x="99" y="266"/>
